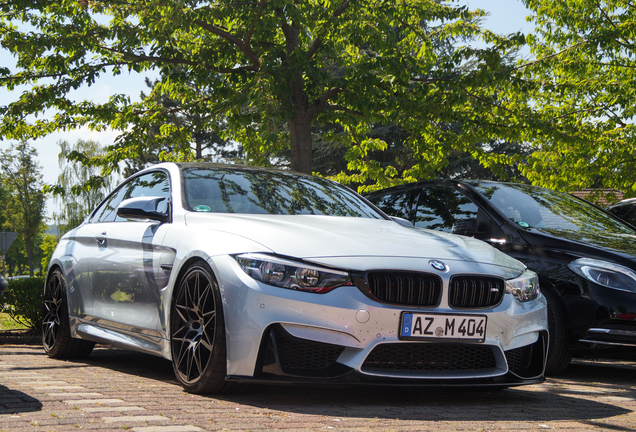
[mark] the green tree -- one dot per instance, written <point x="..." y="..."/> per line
<point x="75" y="202"/>
<point x="205" y="131"/>
<point x="586" y="80"/>
<point x="272" y="70"/>
<point x="25" y="206"/>
<point x="49" y="242"/>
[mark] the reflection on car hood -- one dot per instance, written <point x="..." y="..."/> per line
<point x="309" y="236"/>
<point x="623" y="245"/>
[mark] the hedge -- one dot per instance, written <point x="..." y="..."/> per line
<point x="23" y="301"/>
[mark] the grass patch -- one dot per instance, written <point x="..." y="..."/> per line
<point x="6" y="323"/>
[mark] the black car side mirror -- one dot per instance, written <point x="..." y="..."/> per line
<point x="142" y="208"/>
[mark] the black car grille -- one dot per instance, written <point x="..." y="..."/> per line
<point x="519" y="359"/>
<point x="405" y="288"/>
<point x="410" y="357"/>
<point x="297" y="355"/>
<point x="475" y="291"/>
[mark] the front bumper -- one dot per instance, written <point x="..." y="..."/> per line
<point x="275" y="334"/>
<point x="599" y="318"/>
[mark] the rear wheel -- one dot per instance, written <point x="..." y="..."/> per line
<point x="559" y="355"/>
<point x="56" y="329"/>
<point x="198" y="333"/>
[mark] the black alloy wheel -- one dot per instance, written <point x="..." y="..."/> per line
<point x="198" y="333"/>
<point x="56" y="331"/>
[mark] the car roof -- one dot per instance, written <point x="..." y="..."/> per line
<point x="444" y="182"/>
<point x="625" y="202"/>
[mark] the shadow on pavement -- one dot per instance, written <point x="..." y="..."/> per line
<point x="15" y="402"/>
<point x="581" y="394"/>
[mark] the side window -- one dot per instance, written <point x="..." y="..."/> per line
<point x="395" y="204"/>
<point x="107" y="211"/>
<point x="631" y="217"/>
<point x="151" y="184"/>
<point x="444" y="209"/>
<point x="155" y="184"/>
<point x="622" y="212"/>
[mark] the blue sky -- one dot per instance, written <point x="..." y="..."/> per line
<point x="506" y="16"/>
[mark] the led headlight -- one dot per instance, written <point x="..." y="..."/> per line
<point x="525" y="287"/>
<point x="605" y="273"/>
<point x="289" y="274"/>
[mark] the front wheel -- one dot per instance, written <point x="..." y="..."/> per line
<point x="559" y="354"/>
<point x="198" y="333"/>
<point x="56" y="329"/>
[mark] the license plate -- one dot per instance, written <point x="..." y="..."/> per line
<point x="432" y="326"/>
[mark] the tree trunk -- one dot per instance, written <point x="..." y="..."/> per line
<point x="300" y="127"/>
<point x="300" y="143"/>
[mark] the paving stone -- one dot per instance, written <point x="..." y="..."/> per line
<point x="112" y="409"/>
<point x="92" y="401"/>
<point x="122" y="385"/>
<point x="134" y="419"/>
<point x="166" y="429"/>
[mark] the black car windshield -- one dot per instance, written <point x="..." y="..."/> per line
<point x="535" y="207"/>
<point x="230" y="190"/>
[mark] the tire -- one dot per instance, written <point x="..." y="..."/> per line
<point x="559" y="355"/>
<point x="197" y="333"/>
<point x="56" y="329"/>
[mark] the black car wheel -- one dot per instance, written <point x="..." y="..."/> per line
<point x="56" y="329"/>
<point x="198" y="333"/>
<point x="559" y="355"/>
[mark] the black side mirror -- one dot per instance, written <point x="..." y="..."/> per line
<point x="142" y="208"/>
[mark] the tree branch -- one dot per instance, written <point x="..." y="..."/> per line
<point x="245" y="49"/>
<point x="343" y="109"/>
<point x="250" y="32"/>
<point x="145" y="58"/>
<point x="319" y="104"/>
<point x="290" y="38"/>
<point x="318" y="41"/>
<point x="525" y="65"/>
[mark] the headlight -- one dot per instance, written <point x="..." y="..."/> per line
<point x="605" y="273"/>
<point x="525" y="287"/>
<point x="289" y="274"/>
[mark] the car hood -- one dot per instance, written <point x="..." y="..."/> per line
<point x="606" y="245"/>
<point x="313" y="237"/>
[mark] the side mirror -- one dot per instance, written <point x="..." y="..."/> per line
<point x="142" y="208"/>
<point x="465" y="227"/>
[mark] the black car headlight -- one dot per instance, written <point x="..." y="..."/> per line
<point x="285" y="273"/>
<point x="605" y="273"/>
<point x="525" y="287"/>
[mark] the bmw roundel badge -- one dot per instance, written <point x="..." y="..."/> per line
<point x="438" y="265"/>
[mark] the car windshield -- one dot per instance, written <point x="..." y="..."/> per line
<point x="535" y="207"/>
<point x="228" y="190"/>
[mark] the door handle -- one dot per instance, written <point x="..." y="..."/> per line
<point x="101" y="238"/>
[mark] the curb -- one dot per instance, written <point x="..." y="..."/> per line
<point x="18" y="337"/>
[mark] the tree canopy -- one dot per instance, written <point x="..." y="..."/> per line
<point x="586" y="81"/>
<point x="24" y="205"/>
<point x="74" y="201"/>
<point x="268" y="71"/>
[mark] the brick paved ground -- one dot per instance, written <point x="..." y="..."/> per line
<point x="121" y="390"/>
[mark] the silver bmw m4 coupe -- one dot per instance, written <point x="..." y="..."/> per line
<point x="240" y="274"/>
